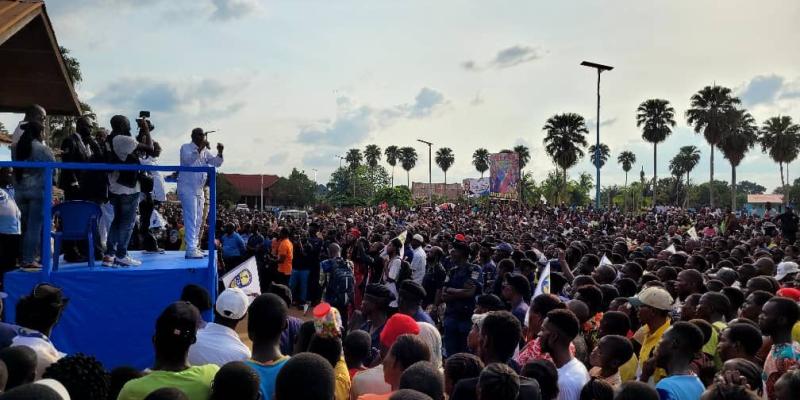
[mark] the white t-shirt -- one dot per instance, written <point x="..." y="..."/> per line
<point x="369" y="381"/>
<point x="159" y="192"/>
<point x="217" y="344"/>
<point x="418" y="265"/>
<point x="122" y="146"/>
<point x="46" y="353"/>
<point x="393" y="273"/>
<point x="571" y="379"/>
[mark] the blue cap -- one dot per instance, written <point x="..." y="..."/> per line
<point x="504" y="247"/>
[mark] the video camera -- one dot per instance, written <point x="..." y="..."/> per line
<point x="144" y="117"/>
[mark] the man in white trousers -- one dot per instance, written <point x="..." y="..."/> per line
<point x="190" y="187"/>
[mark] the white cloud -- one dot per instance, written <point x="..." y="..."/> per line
<point x="507" y="58"/>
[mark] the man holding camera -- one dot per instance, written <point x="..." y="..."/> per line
<point x="124" y="187"/>
<point x="190" y="187"/>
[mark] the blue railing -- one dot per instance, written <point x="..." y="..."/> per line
<point x="47" y="203"/>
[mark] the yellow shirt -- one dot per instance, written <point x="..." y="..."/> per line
<point x="627" y="371"/>
<point x="342" y="389"/>
<point x="710" y="347"/>
<point x="194" y="381"/>
<point x="649" y="343"/>
<point x="796" y="332"/>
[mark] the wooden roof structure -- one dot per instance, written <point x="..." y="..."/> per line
<point x="32" y="70"/>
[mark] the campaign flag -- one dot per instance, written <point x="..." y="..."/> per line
<point x="692" y="233"/>
<point x="605" y="261"/>
<point x="504" y="175"/>
<point x="671" y="249"/>
<point x="245" y="277"/>
<point x="543" y="286"/>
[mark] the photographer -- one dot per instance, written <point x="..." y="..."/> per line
<point x="124" y="188"/>
<point x="190" y="187"/>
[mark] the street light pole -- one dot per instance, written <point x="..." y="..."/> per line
<point x="600" y="68"/>
<point x="430" y="172"/>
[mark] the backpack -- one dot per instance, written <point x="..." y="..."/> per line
<point x="341" y="284"/>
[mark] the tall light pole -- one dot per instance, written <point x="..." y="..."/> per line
<point x="600" y="68"/>
<point x="430" y="172"/>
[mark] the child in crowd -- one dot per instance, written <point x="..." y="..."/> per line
<point x="611" y="352"/>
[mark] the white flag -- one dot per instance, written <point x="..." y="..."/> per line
<point x="543" y="286"/>
<point x="671" y="249"/>
<point x="605" y="261"/>
<point x="692" y="233"/>
<point x="245" y="277"/>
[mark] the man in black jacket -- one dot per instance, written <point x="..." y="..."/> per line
<point x="77" y="184"/>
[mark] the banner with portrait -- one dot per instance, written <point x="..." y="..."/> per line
<point x="503" y="175"/>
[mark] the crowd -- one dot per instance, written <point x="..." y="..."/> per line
<point x="493" y="302"/>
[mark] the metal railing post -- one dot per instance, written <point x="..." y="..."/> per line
<point x="47" y="224"/>
<point x="212" y="226"/>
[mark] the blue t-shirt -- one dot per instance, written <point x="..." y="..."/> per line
<point x="680" y="387"/>
<point x="232" y="245"/>
<point x="267" y="374"/>
<point x="422" y="316"/>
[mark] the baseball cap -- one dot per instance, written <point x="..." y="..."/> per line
<point x="232" y="303"/>
<point x="786" y="268"/>
<point x="398" y="324"/>
<point x="653" y="296"/>
<point x="418" y="238"/>
<point x="504" y="247"/>
<point x="460" y="237"/>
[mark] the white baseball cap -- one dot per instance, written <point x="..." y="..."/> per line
<point x="653" y="296"/>
<point x="418" y="238"/>
<point x="232" y="303"/>
<point x="786" y="268"/>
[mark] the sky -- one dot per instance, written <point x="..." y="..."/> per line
<point x="292" y="84"/>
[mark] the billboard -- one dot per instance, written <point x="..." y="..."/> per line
<point x="476" y="187"/>
<point x="503" y="175"/>
<point x="451" y="191"/>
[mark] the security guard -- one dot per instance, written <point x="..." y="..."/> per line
<point x="462" y="284"/>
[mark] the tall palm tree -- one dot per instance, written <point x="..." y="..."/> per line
<point x="741" y="136"/>
<point x="408" y="159"/>
<point x="353" y="158"/>
<point x="372" y="154"/>
<point x="604" y="152"/>
<point x="626" y="159"/>
<point x="656" y="118"/>
<point x="689" y="157"/>
<point x="391" y="154"/>
<point x="480" y="159"/>
<point x="523" y="155"/>
<point x="780" y="138"/>
<point x="707" y="114"/>
<point x="565" y="137"/>
<point x="445" y="160"/>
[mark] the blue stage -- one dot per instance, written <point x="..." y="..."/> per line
<point x="112" y="311"/>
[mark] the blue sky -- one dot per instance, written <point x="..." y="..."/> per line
<point x="294" y="83"/>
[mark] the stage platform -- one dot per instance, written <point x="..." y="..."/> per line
<point x="112" y="311"/>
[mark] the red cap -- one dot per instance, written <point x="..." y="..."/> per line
<point x="460" y="237"/>
<point x="398" y="324"/>
<point x="791" y="293"/>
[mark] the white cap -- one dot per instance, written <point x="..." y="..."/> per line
<point x="56" y="386"/>
<point x="232" y="303"/>
<point x="786" y="268"/>
<point x="418" y="238"/>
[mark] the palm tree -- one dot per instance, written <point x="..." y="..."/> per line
<point x="353" y="158"/>
<point x="372" y="154"/>
<point x="707" y="114"/>
<point x="480" y="159"/>
<point x="564" y="139"/>
<point x="445" y="160"/>
<point x="657" y="118"/>
<point x="604" y="152"/>
<point x="523" y="156"/>
<point x="626" y="159"/>
<point x="780" y="138"/>
<point x="741" y="136"/>
<point x="391" y="154"/>
<point x="408" y="159"/>
<point x="689" y="157"/>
